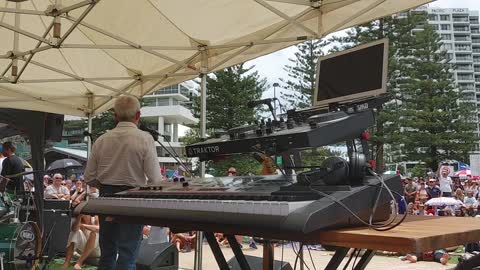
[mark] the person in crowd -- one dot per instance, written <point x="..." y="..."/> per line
<point x="2" y="158"/>
<point x="471" y="186"/>
<point x="184" y="241"/>
<point x="232" y="171"/>
<point x="421" y="210"/>
<point x="410" y="190"/>
<point x="440" y="256"/>
<point x="432" y="190"/>
<point x="47" y="180"/>
<point x="11" y="165"/>
<point x="57" y="190"/>
<point x="422" y="194"/>
<point x="123" y="158"/>
<point x="411" y="209"/>
<point x="445" y="183"/>
<point x="459" y="195"/>
<point x="84" y="239"/>
<point x="69" y="185"/>
<point x="457" y="183"/>
<point x="470" y="203"/>
<point x="79" y="194"/>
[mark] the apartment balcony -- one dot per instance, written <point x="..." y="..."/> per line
<point x="462" y="39"/>
<point x="172" y="114"/>
<point x="461" y="20"/>
<point x="463" y="59"/>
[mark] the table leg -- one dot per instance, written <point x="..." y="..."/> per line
<point x="217" y="251"/>
<point x="268" y="256"/>
<point x="242" y="261"/>
<point x="367" y="256"/>
<point x="337" y="258"/>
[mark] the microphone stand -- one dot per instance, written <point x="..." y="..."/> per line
<point x="155" y="136"/>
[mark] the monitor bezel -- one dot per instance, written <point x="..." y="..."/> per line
<point x="357" y="96"/>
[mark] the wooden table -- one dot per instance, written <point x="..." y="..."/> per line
<point x="415" y="235"/>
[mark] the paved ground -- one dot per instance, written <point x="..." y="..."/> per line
<point x="320" y="258"/>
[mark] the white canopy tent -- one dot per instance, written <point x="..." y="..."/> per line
<point x="75" y="56"/>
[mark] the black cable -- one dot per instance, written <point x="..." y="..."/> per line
<point x="378" y="227"/>
<point x="176" y="159"/>
<point x="298" y="255"/>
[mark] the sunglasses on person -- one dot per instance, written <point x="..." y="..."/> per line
<point x="232" y="172"/>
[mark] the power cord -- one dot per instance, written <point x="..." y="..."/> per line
<point x="378" y="227"/>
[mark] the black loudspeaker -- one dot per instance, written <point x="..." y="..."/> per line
<point x="163" y="256"/>
<point x="257" y="263"/>
<point x="56" y="231"/>
<point x="53" y="127"/>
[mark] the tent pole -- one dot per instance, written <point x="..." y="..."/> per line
<point x="197" y="265"/>
<point x="89" y="125"/>
<point x="89" y="141"/>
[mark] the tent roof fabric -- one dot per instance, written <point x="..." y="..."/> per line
<point x="75" y="58"/>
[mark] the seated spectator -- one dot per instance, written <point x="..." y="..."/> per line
<point x="56" y="190"/>
<point x="69" y="185"/>
<point x="471" y="186"/>
<point x="459" y="195"/>
<point x="440" y="256"/>
<point x="79" y="194"/>
<point x="84" y="239"/>
<point x="184" y="241"/>
<point x="47" y="180"/>
<point x="421" y="210"/>
<point x="470" y="201"/>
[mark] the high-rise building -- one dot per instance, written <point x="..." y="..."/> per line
<point x="459" y="30"/>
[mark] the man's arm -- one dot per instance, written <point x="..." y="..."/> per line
<point x="90" y="173"/>
<point x="150" y="163"/>
<point x="50" y="193"/>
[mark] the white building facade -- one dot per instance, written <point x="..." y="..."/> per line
<point x="166" y="111"/>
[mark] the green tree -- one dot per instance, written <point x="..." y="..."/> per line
<point x="438" y="122"/>
<point x="398" y="31"/>
<point x="228" y="92"/>
<point x="301" y="73"/>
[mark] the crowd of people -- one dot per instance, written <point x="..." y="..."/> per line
<point x="418" y="191"/>
<point x="460" y="198"/>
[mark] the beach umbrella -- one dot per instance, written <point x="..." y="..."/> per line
<point x="443" y="201"/>
<point x="464" y="172"/>
<point x="63" y="164"/>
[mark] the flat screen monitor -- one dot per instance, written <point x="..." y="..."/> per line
<point x="354" y="74"/>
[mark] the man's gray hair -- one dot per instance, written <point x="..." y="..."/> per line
<point x="59" y="175"/>
<point x="126" y="107"/>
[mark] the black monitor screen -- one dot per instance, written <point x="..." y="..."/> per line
<point x="351" y="74"/>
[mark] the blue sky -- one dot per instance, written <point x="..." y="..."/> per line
<point x="271" y="66"/>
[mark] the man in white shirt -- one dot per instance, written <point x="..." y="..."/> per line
<point x="57" y="190"/>
<point x="445" y="182"/>
<point x="123" y="158"/>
